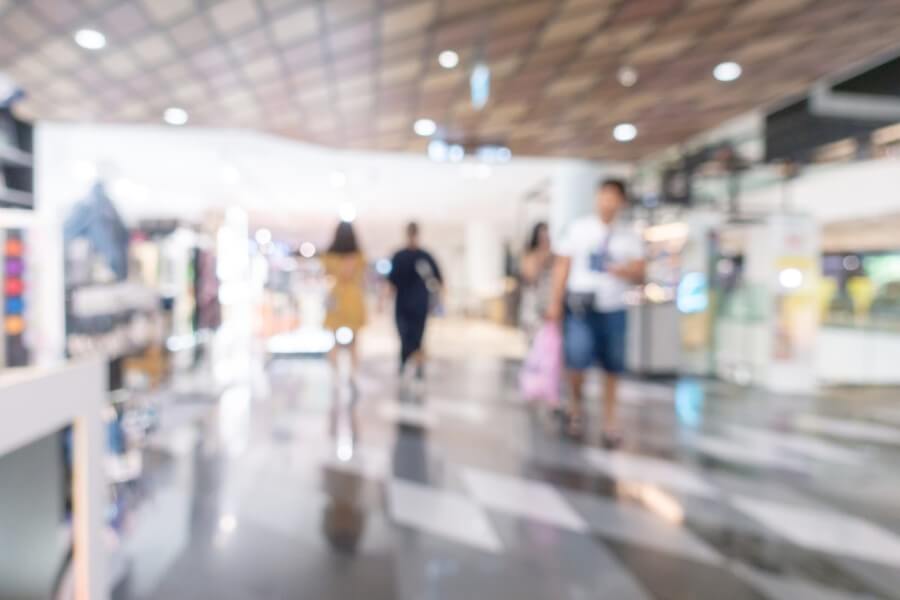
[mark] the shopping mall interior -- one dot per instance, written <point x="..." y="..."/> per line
<point x="450" y="299"/>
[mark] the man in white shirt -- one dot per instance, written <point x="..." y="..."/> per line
<point x="598" y="259"/>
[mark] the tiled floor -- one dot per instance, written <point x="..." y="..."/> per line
<point x="283" y="487"/>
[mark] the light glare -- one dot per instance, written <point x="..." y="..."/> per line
<point x="307" y="250"/>
<point x="175" y="116"/>
<point x="625" y="132"/>
<point x="90" y="39"/>
<point x="425" y="127"/>
<point x="348" y="212"/>
<point x="727" y="71"/>
<point x="448" y="59"/>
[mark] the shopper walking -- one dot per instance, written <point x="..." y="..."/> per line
<point x="536" y="273"/>
<point x="598" y="259"/>
<point x="417" y="283"/>
<point x="345" y="316"/>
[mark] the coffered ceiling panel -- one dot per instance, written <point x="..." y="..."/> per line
<point x="358" y="73"/>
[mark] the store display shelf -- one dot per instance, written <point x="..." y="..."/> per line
<point x="10" y="155"/>
<point x="34" y="403"/>
<point x="10" y="197"/>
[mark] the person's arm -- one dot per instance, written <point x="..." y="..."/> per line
<point x="634" y="267"/>
<point x="530" y="268"/>
<point x="391" y="277"/>
<point x="632" y="270"/>
<point x="562" y="265"/>
<point x="436" y="270"/>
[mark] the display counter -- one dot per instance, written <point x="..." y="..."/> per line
<point x="34" y="404"/>
<point x="653" y="339"/>
<point x="858" y="355"/>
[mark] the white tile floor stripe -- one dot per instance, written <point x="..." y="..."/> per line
<point x="748" y="453"/>
<point x="825" y="531"/>
<point x="859" y="431"/>
<point x="810" y="447"/>
<point x="444" y="514"/>
<point x="641" y="527"/>
<point x="631" y="467"/>
<point x="522" y="498"/>
<point x="778" y="587"/>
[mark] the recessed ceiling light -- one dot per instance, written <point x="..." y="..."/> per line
<point x="90" y="39"/>
<point x="425" y="127"/>
<point x="625" y="132"/>
<point x="448" y="59"/>
<point x="175" y="116"/>
<point x="627" y="76"/>
<point x="727" y="71"/>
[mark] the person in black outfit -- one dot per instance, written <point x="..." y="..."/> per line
<point x="416" y="279"/>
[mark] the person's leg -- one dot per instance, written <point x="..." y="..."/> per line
<point x="612" y="330"/>
<point x="404" y="338"/>
<point x="578" y="345"/>
<point x="353" y="348"/>
<point x="417" y="335"/>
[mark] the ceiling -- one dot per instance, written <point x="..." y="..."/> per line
<point x="357" y="73"/>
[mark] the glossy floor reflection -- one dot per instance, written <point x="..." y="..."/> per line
<point x="291" y="486"/>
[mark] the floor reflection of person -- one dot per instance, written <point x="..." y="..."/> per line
<point x="343" y="518"/>
<point x="417" y="281"/>
<point x="599" y="258"/>
<point x="345" y="316"/>
<point x="536" y="271"/>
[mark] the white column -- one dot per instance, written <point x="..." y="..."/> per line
<point x="484" y="262"/>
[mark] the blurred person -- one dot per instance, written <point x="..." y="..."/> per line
<point x="598" y="259"/>
<point x="345" y="266"/>
<point x="417" y="282"/>
<point x="536" y="272"/>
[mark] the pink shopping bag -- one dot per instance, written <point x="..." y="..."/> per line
<point x="540" y="376"/>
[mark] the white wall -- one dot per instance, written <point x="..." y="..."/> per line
<point x="835" y="192"/>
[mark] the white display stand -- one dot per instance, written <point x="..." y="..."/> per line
<point x="777" y="350"/>
<point x="35" y="403"/>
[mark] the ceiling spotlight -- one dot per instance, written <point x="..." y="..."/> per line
<point x="425" y="127"/>
<point x="625" y="132"/>
<point x="175" y="116"/>
<point x="448" y="59"/>
<point x="627" y="76"/>
<point x="727" y="71"/>
<point x="90" y="39"/>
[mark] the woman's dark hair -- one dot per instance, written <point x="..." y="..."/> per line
<point x="535" y="240"/>
<point x="344" y="240"/>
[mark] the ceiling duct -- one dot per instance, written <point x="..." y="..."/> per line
<point x="847" y="106"/>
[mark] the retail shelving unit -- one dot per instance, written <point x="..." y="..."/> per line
<point x="16" y="162"/>
<point x="35" y="403"/>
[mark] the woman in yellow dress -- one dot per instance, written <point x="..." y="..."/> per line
<point x="345" y="267"/>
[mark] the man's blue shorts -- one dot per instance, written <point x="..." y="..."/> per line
<point x="595" y="337"/>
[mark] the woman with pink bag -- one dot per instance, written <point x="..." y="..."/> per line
<point x="540" y="377"/>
